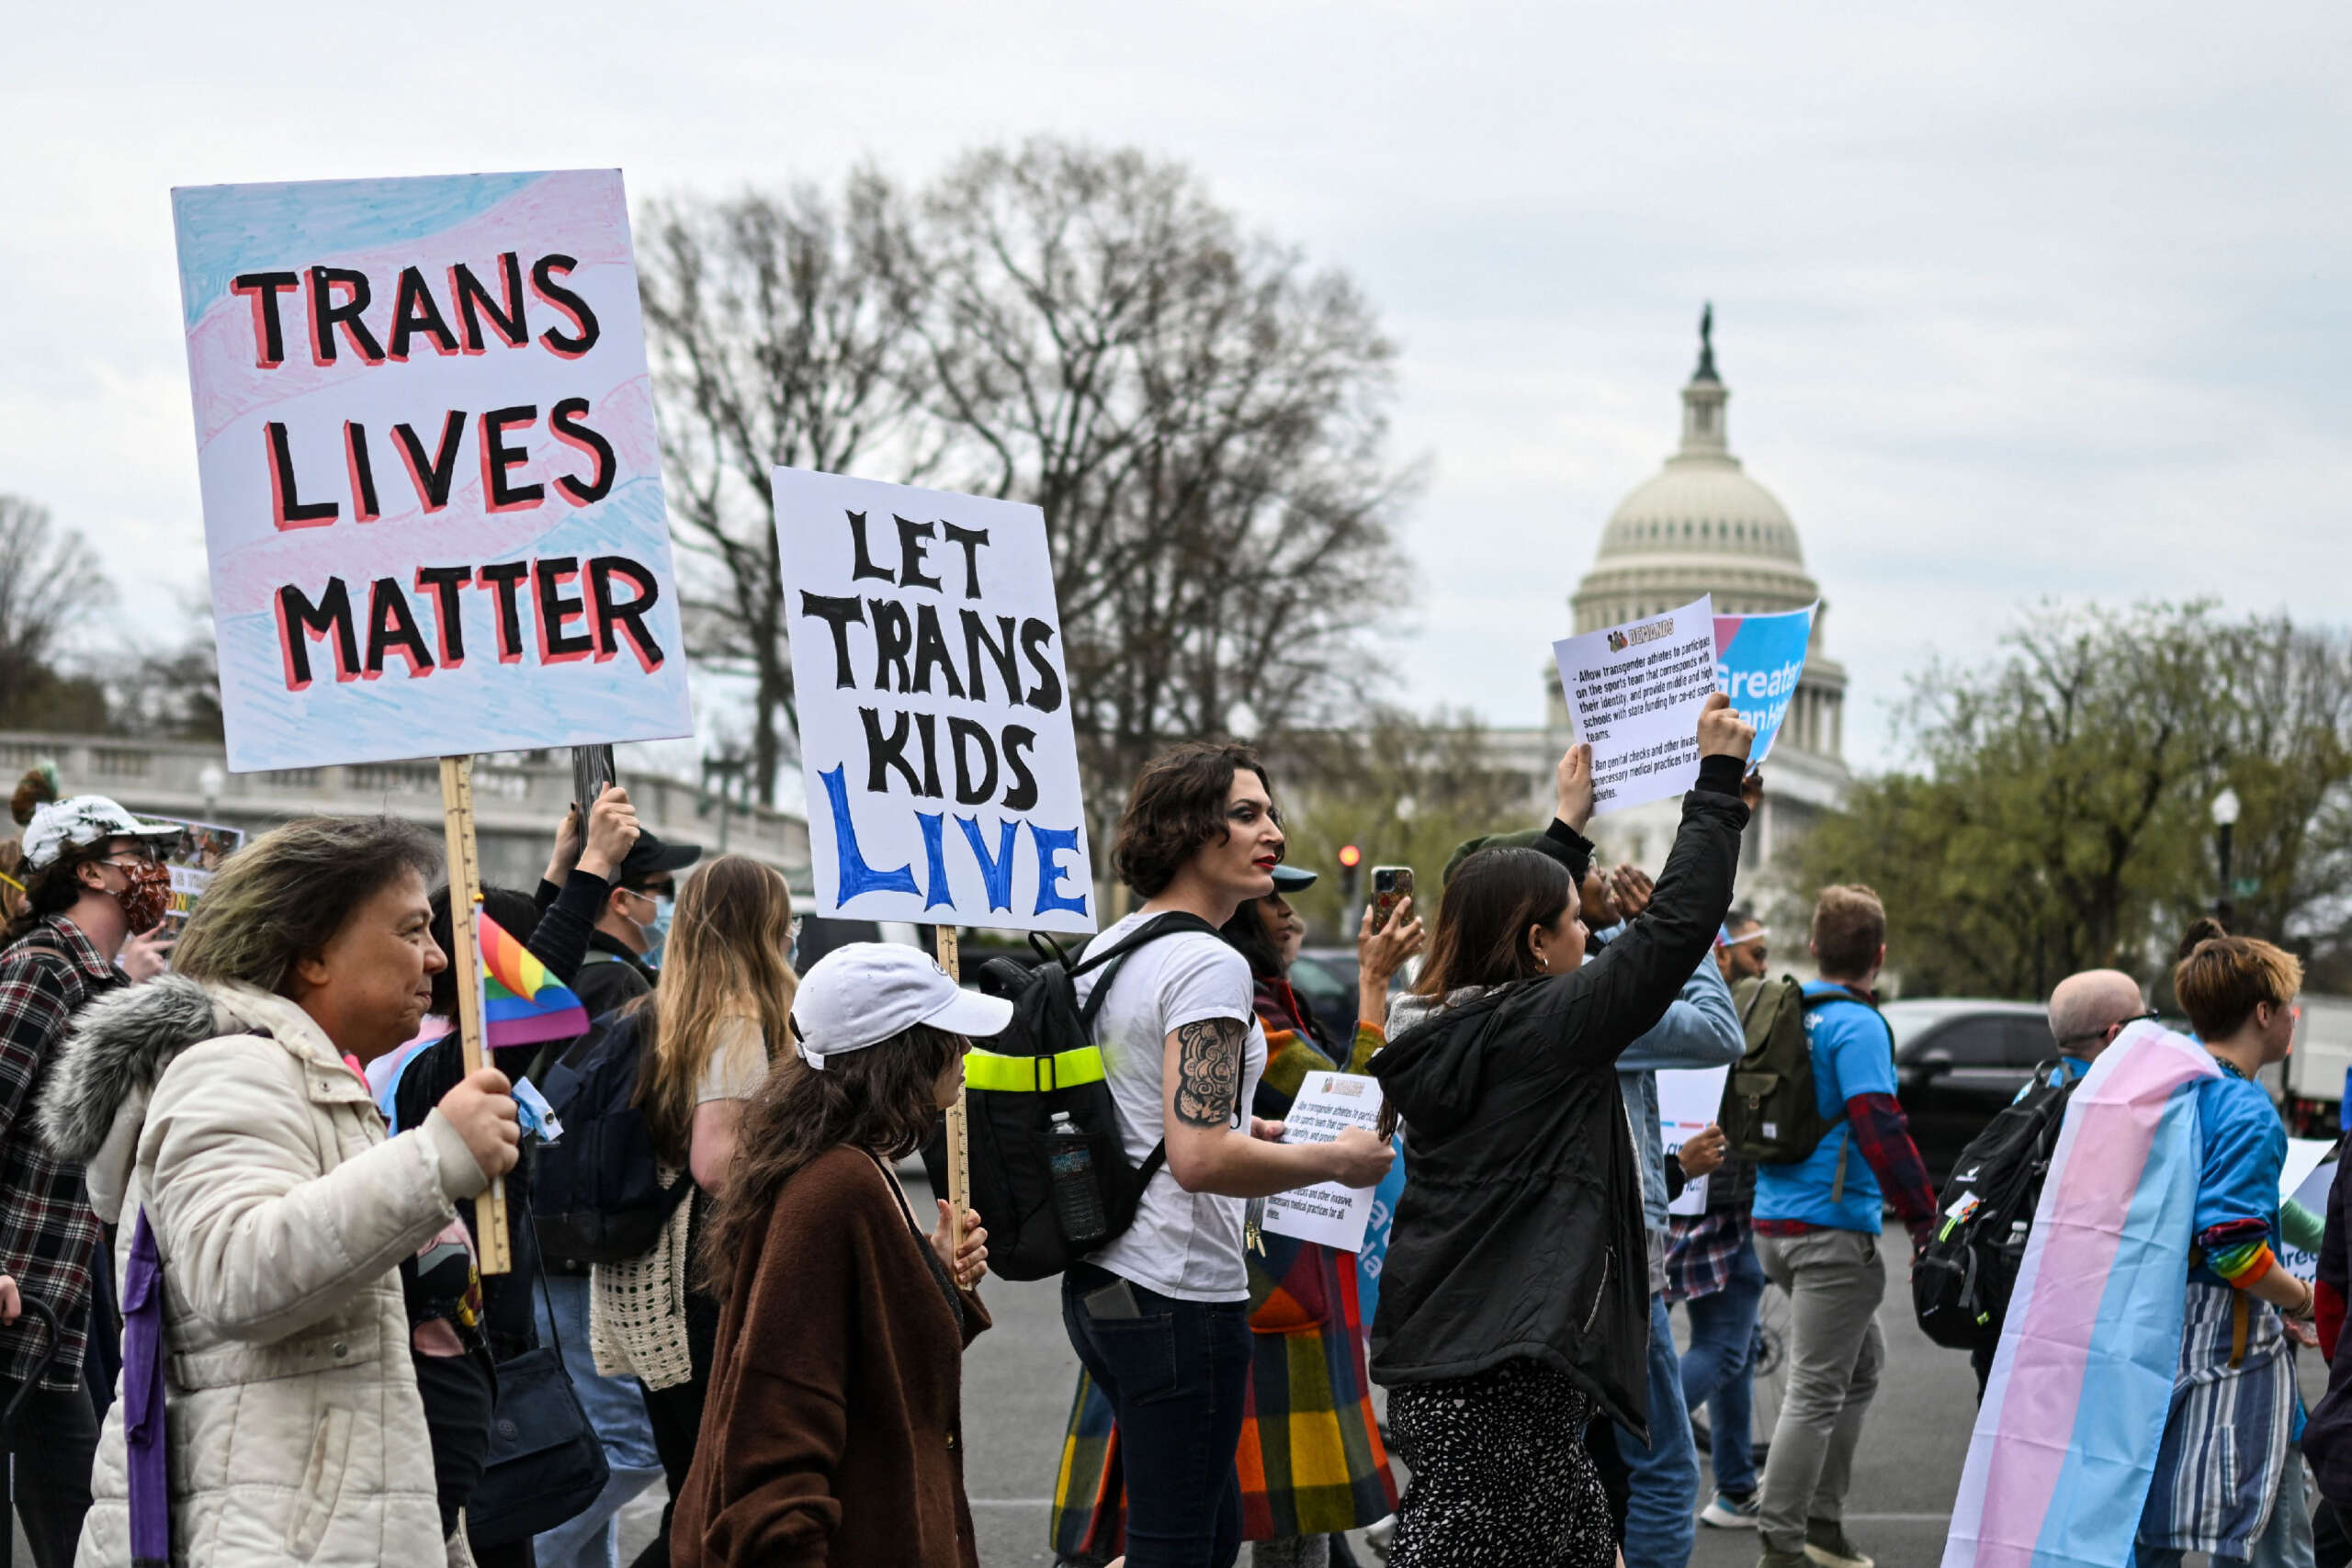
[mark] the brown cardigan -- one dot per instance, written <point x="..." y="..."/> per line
<point x="834" y="1429"/>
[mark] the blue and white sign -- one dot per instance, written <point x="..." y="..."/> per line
<point x="1759" y="659"/>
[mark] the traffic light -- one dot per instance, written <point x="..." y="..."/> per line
<point x="1350" y="880"/>
<point x="1351" y="856"/>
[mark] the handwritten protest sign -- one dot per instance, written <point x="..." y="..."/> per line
<point x="1327" y="1105"/>
<point x="1758" y="661"/>
<point x="1635" y="691"/>
<point x="1688" y="1101"/>
<point x="432" y="490"/>
<point x="934" y="706"/>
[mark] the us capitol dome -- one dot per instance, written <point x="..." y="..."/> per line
<point x="1703" y="524"/>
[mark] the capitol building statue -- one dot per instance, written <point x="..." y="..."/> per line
<point x="1701" y="525"/>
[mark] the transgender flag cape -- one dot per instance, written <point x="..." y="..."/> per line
<point x="2066" y="1442"/>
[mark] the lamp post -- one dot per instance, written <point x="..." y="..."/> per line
<point x="2226" y="819"/>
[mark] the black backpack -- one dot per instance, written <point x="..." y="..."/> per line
<point x="1961" y="1284"/>
<point x="1046" y="1061"/>
<point x="596" y="1194"/>
<point x="1769" y="1113"/>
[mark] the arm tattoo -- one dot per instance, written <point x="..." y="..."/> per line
<point x="1208" y="1071"/>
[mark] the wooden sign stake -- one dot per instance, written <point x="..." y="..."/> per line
<point x="465" y="903"/>
<point x="959" y="1143"/>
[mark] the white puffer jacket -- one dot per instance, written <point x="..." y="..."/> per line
<point x="280" y="1210"/>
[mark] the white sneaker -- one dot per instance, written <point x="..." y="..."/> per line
<point x="1729" y="1513"/>
<point x="1377" y="1535"/>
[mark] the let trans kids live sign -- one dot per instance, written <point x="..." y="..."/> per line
<point x="934" y="706"/>
<point x="1635" y="691"/>
<point x="432" y="491"/>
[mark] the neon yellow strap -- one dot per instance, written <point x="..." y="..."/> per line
<point x="1032" y="1075"/>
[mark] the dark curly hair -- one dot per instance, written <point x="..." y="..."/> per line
<point x="1176" y="806"/>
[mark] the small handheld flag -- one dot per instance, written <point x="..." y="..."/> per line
<point x="524" y="1004"/>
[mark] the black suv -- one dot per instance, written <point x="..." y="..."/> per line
<point x="1958" y="1062"/>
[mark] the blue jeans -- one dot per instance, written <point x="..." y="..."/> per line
<point x="1177" y="1375"/>
<point x="1662" y="1515"/>
<point x="1715" y="1372"/>
<point x="616" y="1410"/>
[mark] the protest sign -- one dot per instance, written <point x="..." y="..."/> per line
<point x="431" y="487"/>
<point x="1635" y="691"/>
<point x="2305" y="1177"/>
<point x="1688" y="1101"/>
<point x="1759" y="659"/>
<point x="191" y="858"/>
<point x="1327" y="1104"/>
<point x="934" y="706"/>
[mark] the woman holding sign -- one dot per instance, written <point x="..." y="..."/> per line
<point x="227" y="1127"/>
<point x="1160" y="1315"/>
<point x="834" y="1433"/>
<point x="1310" y="1462"/>
<point x="1514" y="1303"/>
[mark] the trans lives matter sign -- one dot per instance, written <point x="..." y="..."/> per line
<point x="432" y="491"/>
<point x="1636" y="692"/>
<point x="934" y="706"/>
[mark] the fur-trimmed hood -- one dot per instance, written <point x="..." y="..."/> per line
<point x="95" y="1099"/>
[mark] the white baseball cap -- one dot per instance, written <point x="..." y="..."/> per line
<point x="867" y="992"/>
<point x="83" y="820"/>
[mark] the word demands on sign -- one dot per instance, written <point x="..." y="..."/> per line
<point x="432" y="490"/>
<point x="934" y="711"/>
<point x="1636" y="692"/>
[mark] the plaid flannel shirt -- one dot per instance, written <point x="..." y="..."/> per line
<point x="48" y="1237"/>
<point x="1699" y="1250"/>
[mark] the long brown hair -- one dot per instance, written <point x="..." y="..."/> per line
<point x="880" y="1098"/>
<point x="727" y="956"/>
<point x="1483" y="918"/>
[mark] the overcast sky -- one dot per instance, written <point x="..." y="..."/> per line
<point x="2014" y="302"/>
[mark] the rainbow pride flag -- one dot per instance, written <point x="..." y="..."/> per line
<point x="521" y="1004"/>
<point x="2066" y="1442"/>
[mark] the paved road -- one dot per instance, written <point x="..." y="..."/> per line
<point x="1019" y="1376"/>
<point x="1018" y="1379"/>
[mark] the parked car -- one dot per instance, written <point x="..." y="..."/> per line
<point x="1958" y="1062"/>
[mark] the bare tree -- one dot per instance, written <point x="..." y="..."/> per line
<point x="50" y="581"/>
<point x="1201" y="419"/>
<point x="771" y="341"/>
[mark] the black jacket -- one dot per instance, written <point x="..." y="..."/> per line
<point x="610" y="973"/>
<point x="1519" y="1233"/>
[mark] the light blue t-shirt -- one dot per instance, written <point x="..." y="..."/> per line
<point x="1852" y="1054"/>
<point x="2242" y="1153"/>
<point x="2069" y="1069"/>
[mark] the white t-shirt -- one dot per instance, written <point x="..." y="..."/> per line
<point x="1184" y="1245"/>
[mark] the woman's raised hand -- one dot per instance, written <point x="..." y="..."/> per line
<point x="1721" y="732"/>
<point x="1380" y="951"/>
<point x="1574" y="782"/>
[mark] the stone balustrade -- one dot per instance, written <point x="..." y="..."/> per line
<point x="517" y="800"/>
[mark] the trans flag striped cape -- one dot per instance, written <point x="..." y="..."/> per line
<point x="2066" y="1442"/>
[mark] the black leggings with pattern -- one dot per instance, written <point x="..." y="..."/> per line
<point x="1500" y="1474"/>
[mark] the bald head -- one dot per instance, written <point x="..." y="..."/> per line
<point x="2086" y="1008"/>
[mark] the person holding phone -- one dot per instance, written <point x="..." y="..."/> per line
<point x="1515" y="1302"/>
<point x="1160" y="1316"/>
